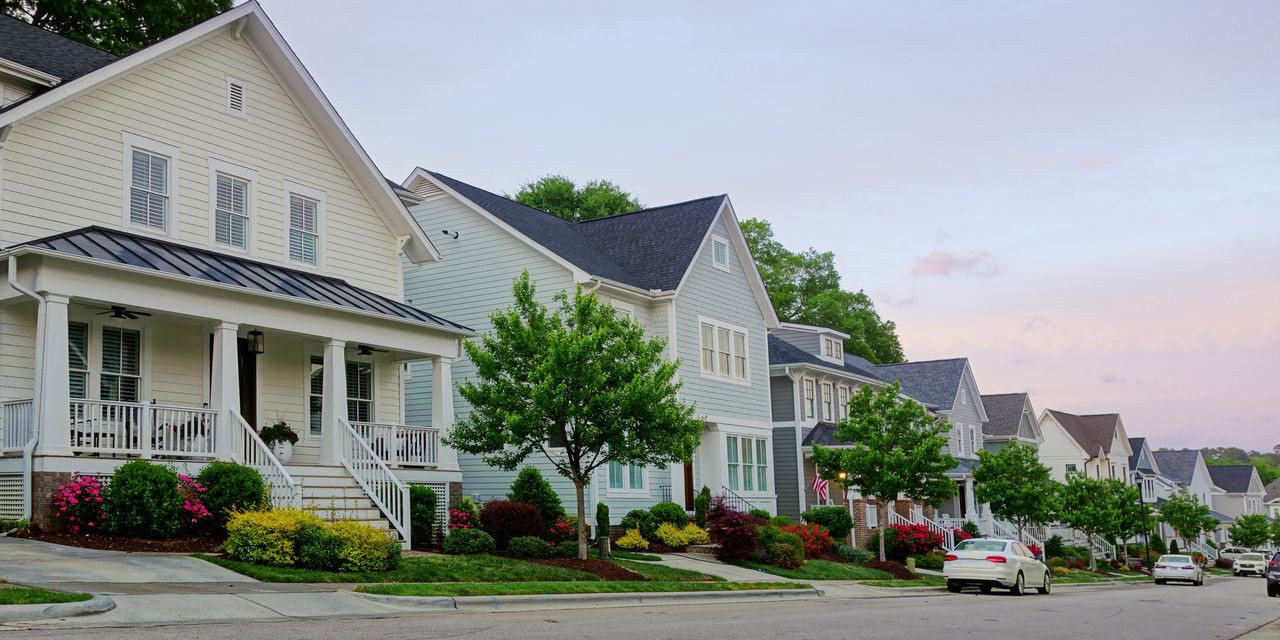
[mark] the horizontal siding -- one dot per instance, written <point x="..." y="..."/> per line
<point x="63" y="167"/>
<point x="782" y="398"/>
<point x="786" y="476"/>
<point x="17" y="351"/>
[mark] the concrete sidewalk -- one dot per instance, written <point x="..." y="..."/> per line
<point x="38" y="563"/>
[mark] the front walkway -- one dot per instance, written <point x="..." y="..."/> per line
<point x="39" y="563"/>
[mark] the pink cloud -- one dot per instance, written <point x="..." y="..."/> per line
<point x="946" y="264"/>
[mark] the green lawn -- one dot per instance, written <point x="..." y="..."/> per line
<point x="417" y="569"/>
<point x="821" y="570"/>
<point x="1083" y="577"/>
<point x="533" y="588"/>
<point x="660" y="573"/>
<point x="924" y="581"/>
<point x="25" y="595"/>
<point x="619" y="554"/>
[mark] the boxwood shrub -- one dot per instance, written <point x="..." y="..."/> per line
<point x="669" y="512"/>
<point x="641" y="520"/>
<point x="142" y="500"/>
<point x="230" y="487"/>
<point x="469" y="542"/>
<point x="529" y="547"/>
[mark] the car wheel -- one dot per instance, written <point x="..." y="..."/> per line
<point x="1047" y="582"/>
<point x="1199" y="581"/>
<point x="953" y="587"/>
<point x="1159" y="580"/>
<point x="1274" y="592"/>
<point x="986" y="588"/>
<point x="1019" y="585"/>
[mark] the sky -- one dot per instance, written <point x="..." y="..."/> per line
<point x="1083" y="198"/>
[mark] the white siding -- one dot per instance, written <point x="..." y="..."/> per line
<point x="17" y="351"/>
<point x="1059" y="450"/>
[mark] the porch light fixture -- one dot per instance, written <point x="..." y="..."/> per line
<point x="257" y="343"/>
<point x="843" y="476"/>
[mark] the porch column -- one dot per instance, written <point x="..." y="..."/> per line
<point x="335" y="400"/>
<point x="53" y="388"/>
<point x="971" y="508"/>
<point x="442" y="409"/>
<point x="224" y="392"/>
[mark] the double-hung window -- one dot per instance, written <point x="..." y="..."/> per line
<point x="873" y="517"/>
<point x="231" y="211"/>
<point x="810" y="391"/>
<point x="315" y="396"/>
<point x="304" y="229"/>
<point x="828" y="400"/>
<point x="626" y="477"/>
<point x="121" y="376"/>
<point x="78" y="358"/>
<point x="973" y="440"/>
<point x="735" y="467"/>
<point x="842" y="410"/>
<point x="748" y="463"/>
<point x="359" y="391"/>
<point x="149" y="195"/>
<point x="724" y="350"/>
<point x="720" y="252"/>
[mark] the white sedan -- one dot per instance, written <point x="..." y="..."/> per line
<point x="1177" y="568"/>
<point x="987" y="563"/>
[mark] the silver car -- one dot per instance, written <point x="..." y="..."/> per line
<point x="1177" y="568"/>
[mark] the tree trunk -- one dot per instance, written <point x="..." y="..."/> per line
<point x="580" y="489"/>
<point x="1093" y="557"/>
<point x="880" y="519"/>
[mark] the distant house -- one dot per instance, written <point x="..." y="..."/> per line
<point x="1146" y="473"/>
<point x="1238" y="490"/>
<point x="1095" y="445"/>
<point x="1010" y="418"/>
<point x="1187" y="468"/>
<point x="1271" y="500"/>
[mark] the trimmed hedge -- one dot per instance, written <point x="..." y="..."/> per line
<point x="529" y="547"/>
<point x="642" y="520"/>
<point x="669" y="512"/>
<point x="422" y="515"/>
<point x="142" y="500"/>
<point x="836" y="520"/>
<point x="268" y="537"/>
<point x="293" y="537"/>
<point x="785" y="555"/>
<point x="469" y="542"/>
<point x="230" y="487"/>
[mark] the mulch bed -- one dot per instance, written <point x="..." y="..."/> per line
<point x="895" y="569"/>
<point x="190" y="544"/>
<point x="603" y="568"/>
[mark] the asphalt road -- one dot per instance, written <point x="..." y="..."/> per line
<point x="1223" y="608"/>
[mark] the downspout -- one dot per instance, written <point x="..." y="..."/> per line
<point x="28" y="450"/>
<point x="795" y="406"/>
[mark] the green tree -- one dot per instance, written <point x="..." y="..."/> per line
<point x="1275" y="532"/>
<point x="1186" y="515"/>
<point x="1101" y="507"/>
<point x="896" y="451"/>
<point x="1015" y="484"/>
<point x="559" y="195"/>
<point x="1251" y="531"/>
<point x="805" y="288"/>
<point x="579" y="385"/>
<point x="117" y="26"/>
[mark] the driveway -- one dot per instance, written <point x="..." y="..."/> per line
<point x="32" y="562"/>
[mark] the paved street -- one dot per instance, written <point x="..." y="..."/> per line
<point x="1224" y="608"/>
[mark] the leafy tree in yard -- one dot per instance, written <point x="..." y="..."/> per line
<point x="1251" y="531"/>
<point x="1186" y="515"/>
<point x="581" y="386"/>
<point x="805" y="288"/>
<point x="896" y="451"/>
<point x="117" y="26"/>
<point x="1015" y="484"/>
<point x="1101" y="507"/>
<point x="559" y="195"/>
<point x="1275" y="532"/>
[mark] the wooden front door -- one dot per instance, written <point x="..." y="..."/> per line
<point x="248" y="374"/>
<point x="688" y="486"/>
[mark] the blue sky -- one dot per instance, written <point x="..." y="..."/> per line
<point x="1081" y="197"/>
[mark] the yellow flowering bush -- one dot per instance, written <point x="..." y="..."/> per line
<point x="672" y="536"/>
<point x="267" y="537"/>
<point x="632" y="540"/>
<point x="695" y="534"/>
<point x="365" y="548"/>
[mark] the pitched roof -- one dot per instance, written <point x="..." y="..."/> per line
<point x="1179" y="466"/>
<point x="118" y="248"/>
<point x="1004" y="413"/>
<point x="649" y="249"/>
<point x="1232" y="478"/>
<point x="823" y="433"/>
<point x="1273" y="491"/>
<point x="48" y="52"/>
<point x="1091" y="432"/>
<point x="1135" y="444"/>
<point x="933" y="382"/>
<point x="783" y="352"/>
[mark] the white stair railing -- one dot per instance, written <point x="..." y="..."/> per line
<point x="896" y="518"/>
<point x="387" y="492"/>
<point x="948" y="536"/>
<point x="1206" y="550"/>
<point x="285" y="491"/>
<point x="1101" y="547"/>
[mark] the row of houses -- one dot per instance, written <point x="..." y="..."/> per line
<point x="194" y="246"/>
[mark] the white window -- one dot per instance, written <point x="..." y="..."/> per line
<point x="964" y="396"/>
<point x="315" y="396"/>
<point x="973" y="440"/>
<point x="359" y="391"/>
<point x="724" y="351"/>
<point x="832" y="348"/>
<point x="231" y="204"/>
<point x="306" y="224"/>
<point x="731" y="457"/>
<point x="810" y="399"/>
<point x="720" y="252"/>
<point x="623" y="309"/>
<point x="842" y="409"/>
<point x="235" y="97"/>
<point x="748" y="463"/>
<point x="873" y="518"/>
<point x="626" y="478"/>
<point x="149" y="184"/>
<point x="1071" y="468"/>
<point x="828" y="400"/>
<point x="121" y="376"/>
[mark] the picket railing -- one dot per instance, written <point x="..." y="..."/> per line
<point x="387" y="492"/>
<point x="250" y="450"/>
<point x="146" y="430"/>
<point x="16" y="424"/>
<point x="1209" y="552"/>
<point x="401" y="445"/>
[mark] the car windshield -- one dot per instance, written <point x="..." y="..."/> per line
<point x="981" y="545"/>
<point x="1252" y="557"/>
<point x="1176" y="559"/>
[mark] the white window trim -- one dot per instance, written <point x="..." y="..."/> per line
<point x="293" y="188"/>
<point x="248" y="175"/>
<point x="718" y="375"/>
<point x="130" y="142"/>
<point x="755" y="464"/>
<point x="625" y="309"/>
<point x="828" y="401"/>
<point x="95" y="323"/>
<point x="626" y="481"/>
<point x="721" y="240"/>
<point x="244" y="97"/>
<point x="872" y="514"/>
<point x="809" y="412"/>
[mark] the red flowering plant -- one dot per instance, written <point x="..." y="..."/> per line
<point x="459" y="519"/>
<point x="1035" y="550"/>
<point x="915" y="539"/>
<point x="565" y="529"/>
<point x="815" y="538"/>
<point x="77" y="505"/>
<point x="961" y="535"/>
<point x="193" y="508"/>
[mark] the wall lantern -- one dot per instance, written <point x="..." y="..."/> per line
<point x="256" y="342"/>
<point x="843" y="476"/>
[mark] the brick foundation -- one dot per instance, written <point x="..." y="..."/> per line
<point x="43" y="486"/>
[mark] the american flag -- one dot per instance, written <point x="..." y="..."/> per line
<point x="822" y="488"/>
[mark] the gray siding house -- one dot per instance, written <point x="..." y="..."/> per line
<point x="1010" y="418"/>
<point x="683" y="271"/>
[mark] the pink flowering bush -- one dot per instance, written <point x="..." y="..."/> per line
<point x="459" y="519"/>
<point x="193" y="509"/>
<point x="77" y="505"/>
<point x="960" y="535"/>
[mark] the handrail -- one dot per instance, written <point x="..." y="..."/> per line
<point x="1208" y="552"/>
<point x="387" y="492"/>
<point x="948" y="534"/>
<point x="285" y="492"/>
<point x="896" y="518"/>
<point x="735" y="501"/>
<point x="400" y="444"/>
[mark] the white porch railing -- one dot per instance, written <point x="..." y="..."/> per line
<point x="946" y="533"/>
<point x="896" y="519"/>
<point x="1209" y="552"/>
<point x="251" y="451"/>
<point x="401" y="445"/>
<point x="146" y="430"/>
<point x="16" y="425"/>
<point x="374" y="476"/>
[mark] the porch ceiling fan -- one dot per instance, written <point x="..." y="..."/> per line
<point x="122" y="313"/>
<point x="366" y="350"/>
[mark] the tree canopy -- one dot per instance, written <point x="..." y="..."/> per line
<point x="579" y="385"/>
<point x="1251" y="531"/>
<point x="1103" y="507"/>
<point x="1015" y="484"/>
<point x="1187" y="515"/>
<point x="804" y="288"/>
<point x="559" y="195"/>
<point x="896" y="450"/>
<point x="117" y="26"/>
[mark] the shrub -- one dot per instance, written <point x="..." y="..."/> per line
<point x="505" y="519"/>
<point x="268" y="537"/>
<point x="531" y="488"/>
<point x="896" y="569"/>
<point x="469" y="542"/>
<point x="602" y="520"/>
<point x="422" y="515"/>
<point x="1061" y="571"/>
<point x="143" y="500"/>
<point x="786" y="556"/>
<point x="1173" y="546"/>
<point x="1157" y="544"/>
<point x="932" y="560"/>
<point x="1079" y="553"/>
<point x="970" y="527"/>
<point x="529" y="547"/>
<point x="702" y="505"/>
<point x="632" y="540"/>
<point x="193" y="509"/>
<point x="836" y="520"/>
<point x="1211" y="544"/>
<point x="669" y="512"/>
<point x="695" y="534"/>
<point x="564" y="529"/>
<point x="960" y="535"/>
<point x="78" y="503"/>
<point x="1053" y="547"/>
<point x="230" y="487"/>
<point x="905" y="540"/>
<point x="1076" y="565"/>
<point x="366" y="548"/>
<point x="856" y="555"/>
<point x="1224" y="563"/>
<point x="781" y="521"/>
<point x="737" y="533"/>
<point x="815" y="538"/>
<point x="1056" y="562"/>
<point x="641" y="520"/>
<point x="672" y="536"/>
<point x="319" y="547"/>
<point x="459" y="519"/>
<point x="1035" y="550"/>
<point x="468" y="513"/>
<point x="763" y="514"/>
<point x="565" y="550"/>
<point x="773" y="535"/>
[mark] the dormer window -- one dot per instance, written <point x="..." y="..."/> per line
<point x="720" y="252"/>
<point x="833" y="348"/>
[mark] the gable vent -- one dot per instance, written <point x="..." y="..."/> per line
<point x="235" y="97"/>
<point x="425" y="188"/>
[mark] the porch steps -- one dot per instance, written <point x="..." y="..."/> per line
<point x="333" y="494"/>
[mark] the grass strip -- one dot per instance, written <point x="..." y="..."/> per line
<point x="821" y="570"/>
<point x="924" y="581"/>
<point x="541" y="588"/>
<point x="28" y="595"/>
<point x="417" y="569"/>
<point x="662" y="573"/>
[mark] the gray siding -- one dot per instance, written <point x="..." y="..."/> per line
<point x="786" y="477"/>
<point x="782" y="398"/>
<point x="807" y="341"/>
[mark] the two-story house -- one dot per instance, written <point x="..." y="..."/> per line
<point x="683" y="271"/>
<point x="1095" y="445"/>
<point x="195" y="246"/>
<point x="1146" y="473"/>
<point x="1187" y="468"/>
<point x="1010" y="418"/>
<point x="1237" y="491"/>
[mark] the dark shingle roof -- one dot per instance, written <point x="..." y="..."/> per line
<point x="783" y="352"/>
<point x="1136" y="445"/>
<point x="1179" y="466"/>
<point x="1091" y="432"/>
<point x="1232" y="478"/>
<point x="1004" y="413"/>
<point x="48" y="52"/>
<point x="127" y="249"/>
<point x="1273" y="491"/>
<point x="933" y="382"/>
<point x="648" y="249"/>
<point x="823" y="433"/>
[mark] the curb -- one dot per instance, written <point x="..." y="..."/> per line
<point x="589" y="600"/>
<point x="24" y="612"/>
